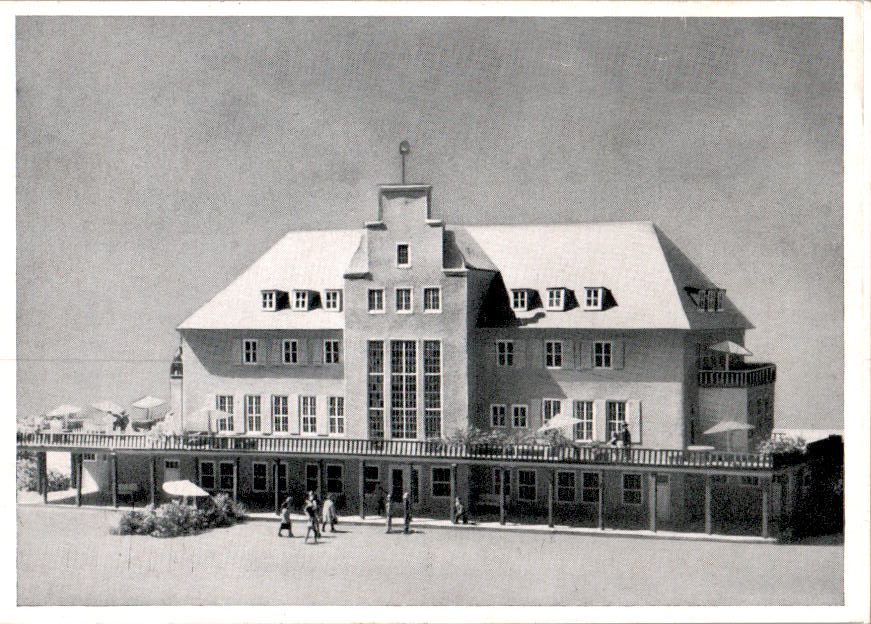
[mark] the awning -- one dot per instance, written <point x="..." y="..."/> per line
<point x="62" y="411"/>
<point x="110" y="407"/>
<point x="184" y="488"/>
<point x="727" y="426"/>
<point x="727" y="346"/>
<point x="148" y="402"/>
<point x="560" y="422"/>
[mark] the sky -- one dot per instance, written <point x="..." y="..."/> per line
<point x="157" y="158"/>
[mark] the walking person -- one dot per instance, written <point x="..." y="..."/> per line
<point x="329" y="514"/>
<point x="460" y="511"/>
<point x="388" y="511"/>
<point x="406" y="508"/>
<point x="311" y="510"/>
<point x="285" y="518"/>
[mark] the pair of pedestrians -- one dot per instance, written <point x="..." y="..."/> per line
<point x="327" y="516"/>
<point x="406" y="511"/>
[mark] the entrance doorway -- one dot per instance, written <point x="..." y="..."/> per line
<point x="663" y="498"/>
<point x="397" y="485"/>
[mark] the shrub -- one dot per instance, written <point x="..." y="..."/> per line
<point x="27" y="477"/>
<point x="174" y="518"/>
<point x="57" y="481"/>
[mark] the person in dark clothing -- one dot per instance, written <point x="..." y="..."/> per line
<point x="625" y="436"/>
<point x="285" y="518"/>
<point x="460" y="511"/>
<point x="406" y="508"/>
<point x="311" y="510"/>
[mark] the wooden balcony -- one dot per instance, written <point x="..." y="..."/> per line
<point x="436" y="450"/>
<point x="746" y="376"/>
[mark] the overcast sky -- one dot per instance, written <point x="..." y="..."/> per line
<point x="159" y="157"/>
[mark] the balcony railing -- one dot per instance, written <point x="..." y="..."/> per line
<point x="745" y="377"/>
<point x="436" y="449"/>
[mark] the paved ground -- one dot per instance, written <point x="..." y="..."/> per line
<point x="66" y="556"/>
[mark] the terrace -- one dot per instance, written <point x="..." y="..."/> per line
<point x="742" y="376"/>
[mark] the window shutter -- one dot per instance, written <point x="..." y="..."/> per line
<point x="633" y="419"/>
<point x="322" y="411"/>
<point x="317" y="351"/>
<point x="618" y="352"/>
<point x="263" y="352"/>
<point x="236" y="352"/>
<point x="568" y="353"/>
<point x="293" y="408"/>
<point x="276" y="352"/>
<point x="239" y="413"/>
<point x="302" y="352"/>
<point x="266" y="413"/>
<point x="586" y="352"/>
<point x="533" y="414"/>
<point x="536" y="355"/>
<point x="600" y="421"/>
<point x="492" y="351"/>
<point x="341" y="351"/>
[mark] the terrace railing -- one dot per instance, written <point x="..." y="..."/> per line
<point x="739" y="378"/>
<point x="434" y="449"/>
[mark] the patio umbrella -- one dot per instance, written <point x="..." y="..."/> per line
<point x="184" y="488"/>
<point x="728" y="426"/>
<point x="729" y="348"/>
<point x="560" y="422"/>
<point x="109" y="407"/>
<point x="64" y="412"/>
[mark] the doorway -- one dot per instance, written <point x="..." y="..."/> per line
<point x="663" y="498"/>
<point x="397" y="485"/>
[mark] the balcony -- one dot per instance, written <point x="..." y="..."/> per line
<point x="694" y="461"/>
<point x="742" y="376"/>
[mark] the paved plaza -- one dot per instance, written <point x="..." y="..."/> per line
<point x="67" y="556"/>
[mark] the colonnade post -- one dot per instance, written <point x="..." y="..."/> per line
<point x="501" y="495"/>
<point x="453" y="493"/>
<point x="42" y="461"/>
<point x="361" y="488"/>
<point x="152" y="474"/>
<point x="708" y="528"/>
<point x="275" y="485"/>
<point x="73" y="472"/>
<point x="79" y="462"/>
<point x="601" y="519"/>
<point x="766" y="485"/>
<point x="550" y="489"/>
<point x="235" y="480"/>
<point x="651" y="501"/>
<point x="114" y="480"/>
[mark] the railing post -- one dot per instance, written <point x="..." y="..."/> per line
<point x="708" y="528"/>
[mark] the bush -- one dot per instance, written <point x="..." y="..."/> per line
<point x="174" y="518"/>
<point x="27" y="477"/>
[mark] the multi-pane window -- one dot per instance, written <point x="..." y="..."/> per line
<point x="497" y="484"/>
<point x="371" y="479"/>
<point x="550" y="408"/>
<point x="403" y="258"/>
<point x="225" y="476"/>
<point x="441" y="482"/>
<point x="207" y="475"/>
<point x="375" y="389"/>
<point x="279" y="414"/>
<point x="403" y="389"/>
<point x="337" y="415"/>
<point x="710" y="299"/>
<point x="432" y="299"/>
<point x="403" y="299"/>
<point x="590" y="488"/>
<point x="584" y="413"/>
<point x="312" y="478"/>
<point x="631" y="489"/>
<point x="171" y="464"/>
<point x="432" y="388"/>
<point x="90" y="457"/>
<point x="331" y="351"/>
<point x="300" y="300"/>
<point x="504" y="353"/>
<point x="555" y="298"/>
<point x="565" y="487"/>
<point x="224" y="405"/>
<point x="601" y="355"/>
<point x="593" y="298"/>
<point x="249" y="351"/>
<point x="497" y="415"/>
<point x="616" y="416"/>
<point x="333" y="300"/>
<point x="258" y="476"/>
<point x="252" y="411"/>
<point x="519" y="299"/>
<point x="518" y="413"/>
<point x="308" y="411"/>
<point x="290" y="352"/>
<point x="268" y="299"/>
<point x="376" y="300"/>
<point x="335" y="483"/>
<point x="526" y="485"/>
<point x="553" y="354"/>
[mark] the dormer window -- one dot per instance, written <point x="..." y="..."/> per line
<point x="594" y="296"/>
<point x="520" y="299"/>
<point x="556" y="298"/>
<point x="301" y="300"/>
<point x="272" y="300"/>
<point x="403" y="258"/>
<point x="710" y="299"/>
<point x="268" y="299"/>
<point x="333" y="300"/>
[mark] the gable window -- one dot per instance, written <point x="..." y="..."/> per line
<point x="258" y="476"/>
<point x="710" y="299"/>
<point x="504" y="353"/>
<point x="337" y="415"/>
<point x="403" y="259"/>
<point x="565" y="487"/>
<point x="268" y="299"/>
<point x="308" y="413"/>
<point x="224" y="405"/>
<point x="593" y="298"/>
<point x="497" y="415"/>
<point x="518" y="415"/>
<point x="207" y="475"/>
<point x="252" y="411"/>
<point x="631" y="489"/>
<point x="333" y="300"/>
<point x="376" y="300"/>
<point x="331" y="351"/>
<point x="249" y="352"/>
<point x="300" y="300"/>
<point x="432" y="299"/>
<point x="550" y="409"/>
<point x="553" y="354"/>
<point x="441" y="482"/>
<point x="279" y="414"/>
<point x="584" y="413"/>
<point x="590" y="487"/>
<point x="519" y="300"/>
<point x="556" y="298"/>
<point x="290" y="352"/>
<point x="526" y="485"/>
<point x="601" y="355"/>
<point x="403" y="300"/>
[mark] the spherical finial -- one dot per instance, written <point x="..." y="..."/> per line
<point x="404" y="148"/>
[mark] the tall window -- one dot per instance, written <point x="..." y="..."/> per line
<point x="312" y="478"/>
<point x="497" y="415"/>
<point x="279" y="414"/>
<point x="403" y="258"/>
<point x="526" y="485"/>
<point x="565" y="487"/>
<point x="551" y="408"/>
<point x="300" y="300"/>
<point x="225" y="476"/>
<point x="337" y="415"/>
<point x="584" y="413"/>
<point x="207" y="475"/>
<point x="403" y="389"/>
<point x="375" y="389"/>
<point x="518" y="414"/>
<point x="553" y="354"/>
<point x="590" y="491"/>
<point x="403" y="300"/>
<point x="631" y="489"/>
<point x="224" y="405"/>
<point x="309" y="413"/>
<point x="371" y="479"/>
<point x="333" y="300"/>
<point x="331" y="351"/>
<point x="497" y="483"/>
<point x="376" y="300"/>
<point x="432" y="388"/>
<point x="432" y="299"/>
<point x="290" y="352"/>
<point x="616" y="414"/>
<point x="504" y="353"/>
<point x="335" y="483"/>
<point x="258" y="476"/>
<point x="252" y="411"/>
<point x="281" y="485"/>
<point x="519" y="300"/>
<point x="601" y="355"/>
<point x="249" y="353"/>
<point x="441" y="482"/>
